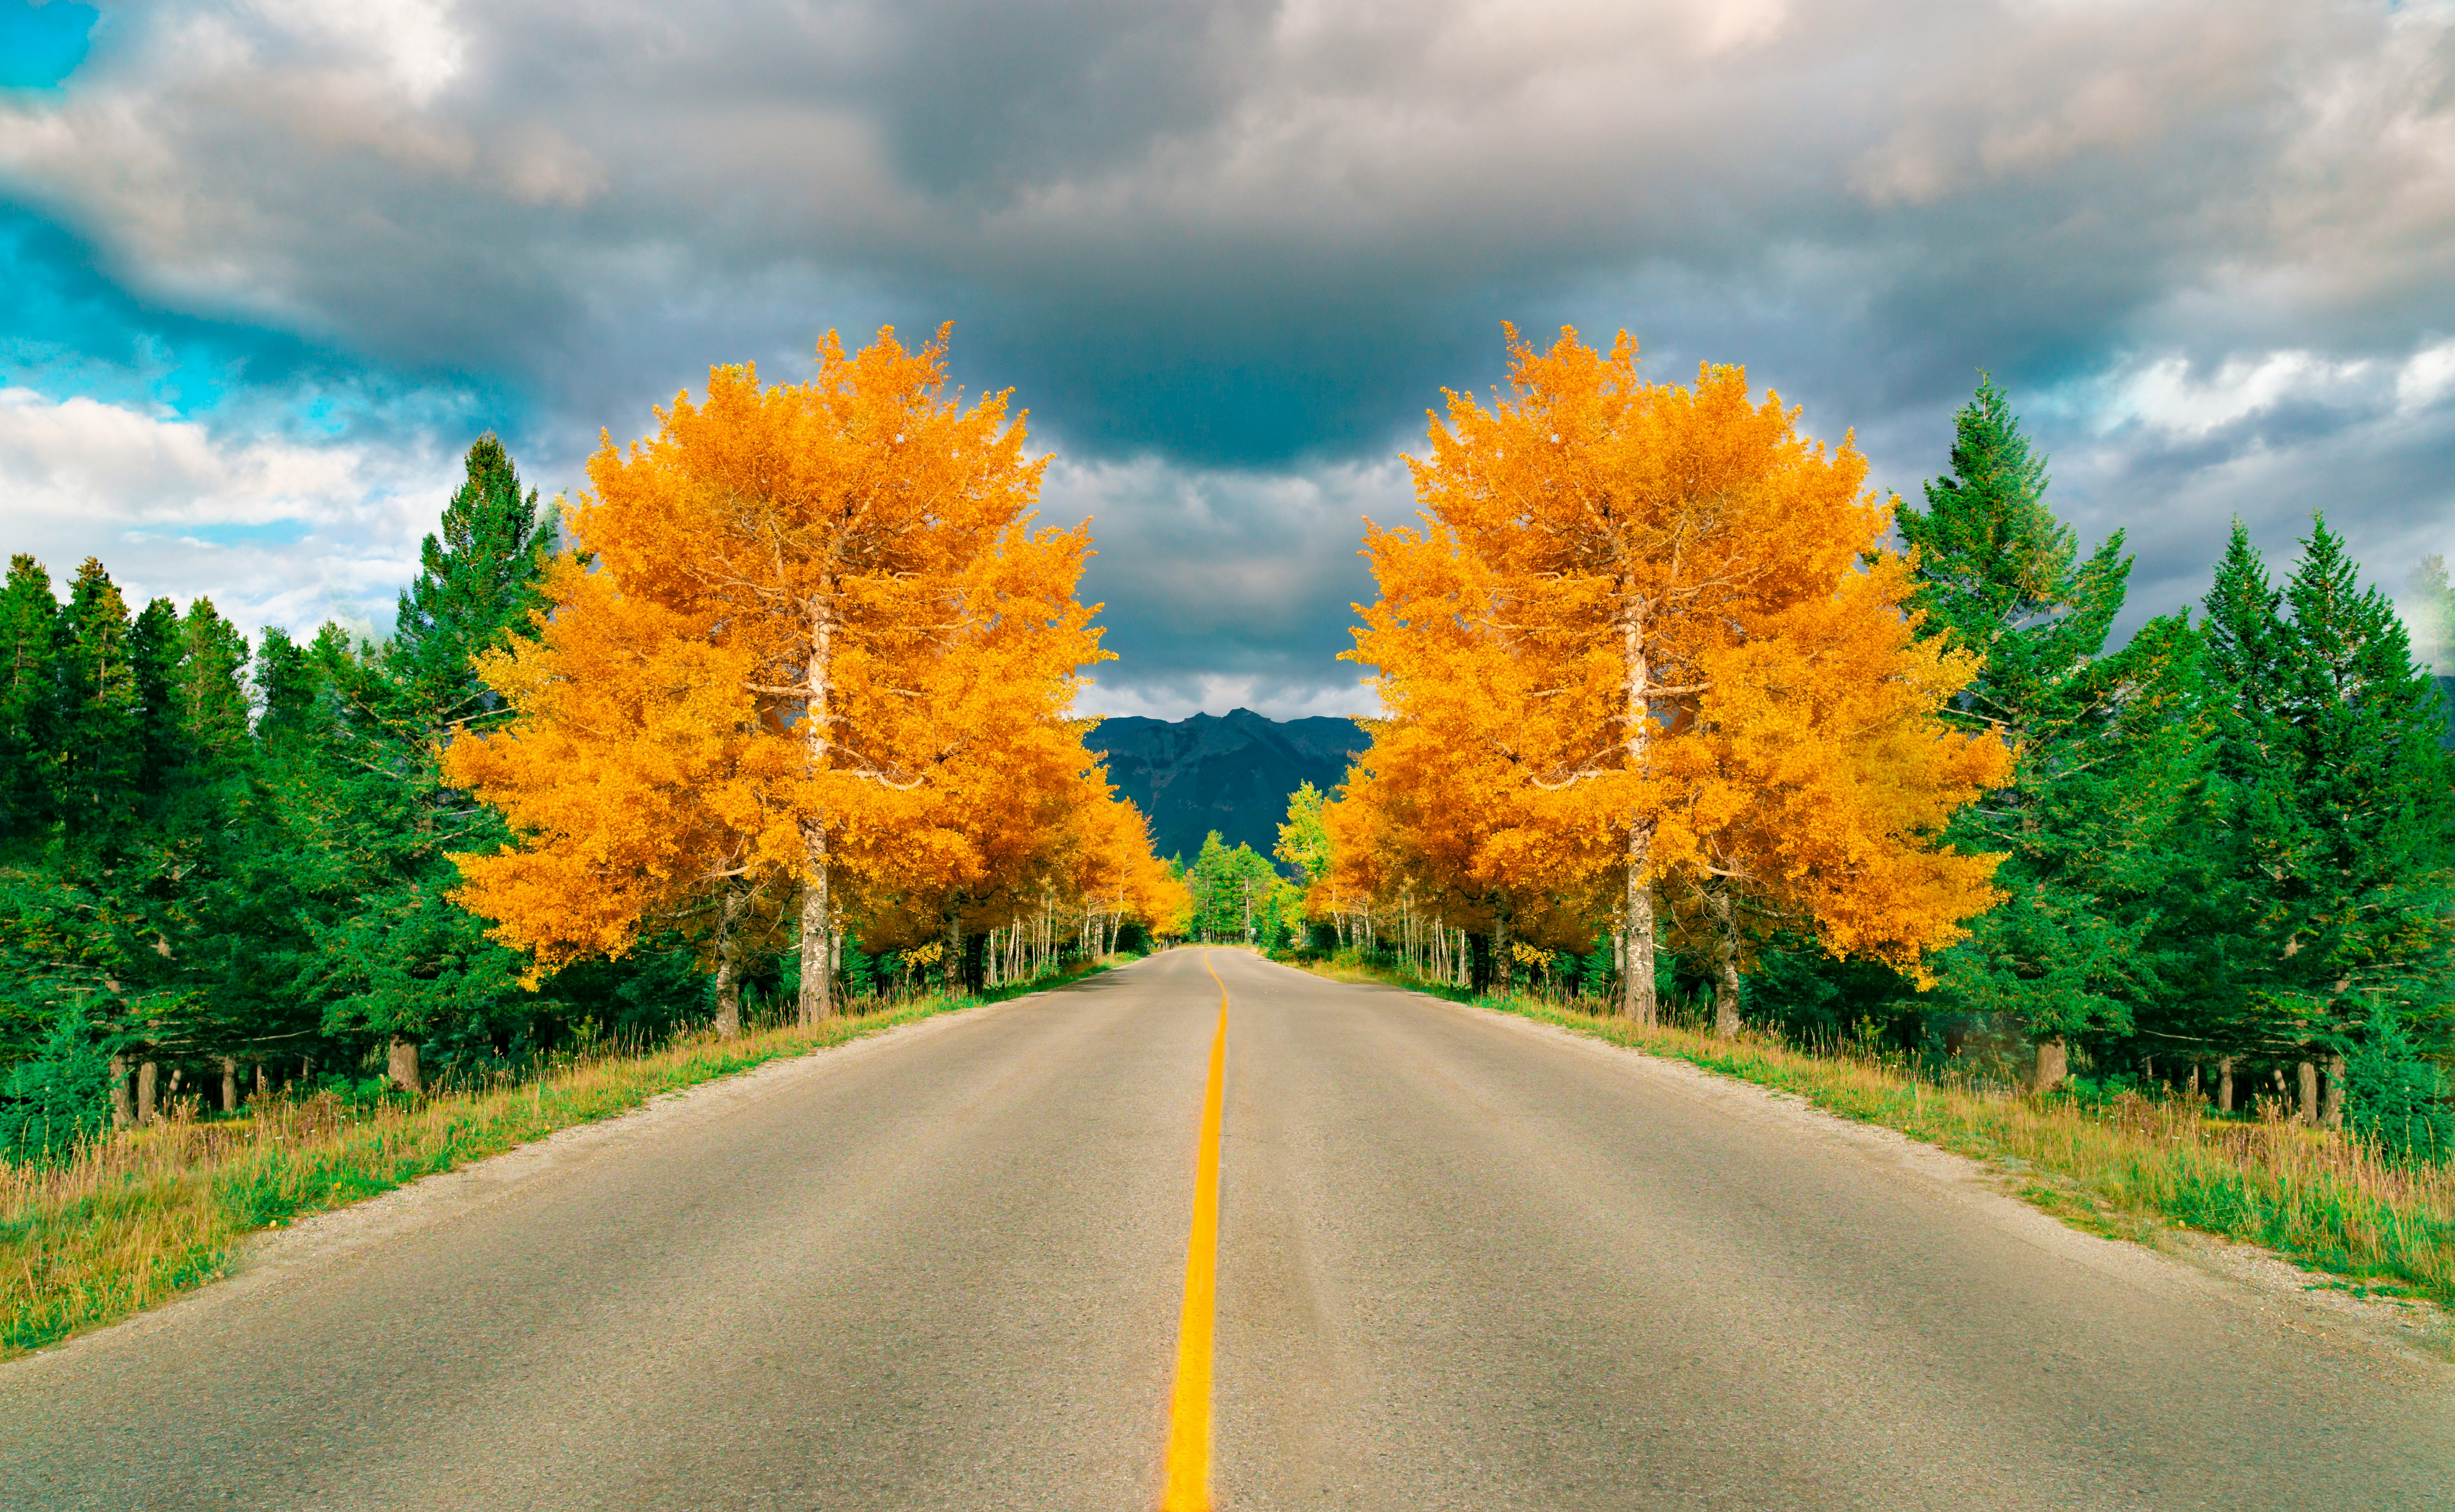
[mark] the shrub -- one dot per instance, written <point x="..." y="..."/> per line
<point x="61" y="1096"/>
<point x="2393" y="1093"/>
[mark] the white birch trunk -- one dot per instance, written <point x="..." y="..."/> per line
<point x="1636" y="980"/>
<point x="818" y="914"/>
<point x="728" y="985"/>
<point x="1726" y="960"/>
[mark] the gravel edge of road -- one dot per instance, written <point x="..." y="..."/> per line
<point x="2414" y="1329"/>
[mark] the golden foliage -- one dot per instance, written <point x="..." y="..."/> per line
<point x="810" y="646"/>
<point x="1646" y="636"/>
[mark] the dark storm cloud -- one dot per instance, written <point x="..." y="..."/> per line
<point x="1229" y="251"/>
<point x="1219" y="586"/>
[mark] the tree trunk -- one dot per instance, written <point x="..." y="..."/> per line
<point x="2307" y="1076"/>
<point x="817" y="981"/>
<point x="2054" y="1064"/>
<point x="229" y="1084"/>
<point x="2331" y="1110"/>
<point x="818" y="988"/>
<point x="1726" y="960"/>
<point x="2224" y="1084"/>
<point x="1636" y="1001"/>
<point x="148" y="1081"/>
<point x="953" y="966"/>
<point x="263" y="1080"/>
<point x="123" y="1098"/>
<point x="728" y="977"/>
<point x="401" y="1065"/>
<point x="1503" y="975"/>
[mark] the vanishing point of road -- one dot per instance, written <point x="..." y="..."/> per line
<point x="1461" y="1262"/>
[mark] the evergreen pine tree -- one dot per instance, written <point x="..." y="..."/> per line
<point x="28" y="691"/>
<point x="101" y="747"/>
<point x="478" y="580"/>
<point x="285" y="690"/>
<point x="2107" y="746"/>
<point x="2246" y="639"/>
<point x="211" y="689"/>
<point x="386" y="955"/>
<point x="155" y="646"/>
<point x="2326" y="913"/>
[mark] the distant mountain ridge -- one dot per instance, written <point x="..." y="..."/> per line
<point x="1231" y="772"/>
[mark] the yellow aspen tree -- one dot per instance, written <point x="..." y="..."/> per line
<point x="1822" y="776"/>
<point x="1411" y="821"/>
<point x="629" y="765"/>
<point x="1594" y="550"/>
<point x="860" y="548"/>
<point x="1117" y="876"/>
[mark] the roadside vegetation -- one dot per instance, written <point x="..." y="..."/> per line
<point x="118" y="1225"/>
<point x="1685" y="724"/>
<point x="695" y="744"/>
<point x="288" y="923"/>
<point x="1693" y="742"/>
<point x="2121" y="1163"/>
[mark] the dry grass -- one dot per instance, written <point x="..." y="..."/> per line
<point x="129" y="1221"/>
<point x="2330" y="1202"/>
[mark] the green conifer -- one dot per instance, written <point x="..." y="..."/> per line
<point x="155" y="646"/>
<point x="285" y="690"/>
<point x="28" y="693"/>
<point x="2107" y="744"/>
<point x="101" y="749"/>
<point x="478" y="580"/>
<point x="212" y="692"/>
<point x="2337" y="846"/>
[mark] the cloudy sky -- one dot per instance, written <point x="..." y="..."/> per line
<point x="266" y="267"/>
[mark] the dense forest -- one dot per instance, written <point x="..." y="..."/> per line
<point x="1672" y="721"/>
<point x="575" y="795"/>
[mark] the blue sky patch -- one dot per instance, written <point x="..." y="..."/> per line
<point x="40" y="45"/>
<point x="269" y="533"/>
<point x="70" y="329"/>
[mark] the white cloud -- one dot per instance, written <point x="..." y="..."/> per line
<point x="2425" y="376"/>
<point x="2167" y="395"/>
<point x="275" y="532"/>
<point x="1226" y="586"/>
<point x="1213" y="694"/>
<point x="412" y="44"/>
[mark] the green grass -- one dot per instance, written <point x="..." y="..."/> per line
<point x="132" y="1221"/>
<point x="2124" y="1169"/>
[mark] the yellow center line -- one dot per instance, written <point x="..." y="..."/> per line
<point x="1188" y="1414"/>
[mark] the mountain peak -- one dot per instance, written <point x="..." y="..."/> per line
<point x="1231" y="772"/>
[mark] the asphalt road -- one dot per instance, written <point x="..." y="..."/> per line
<point x="1463" y="1263"/>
